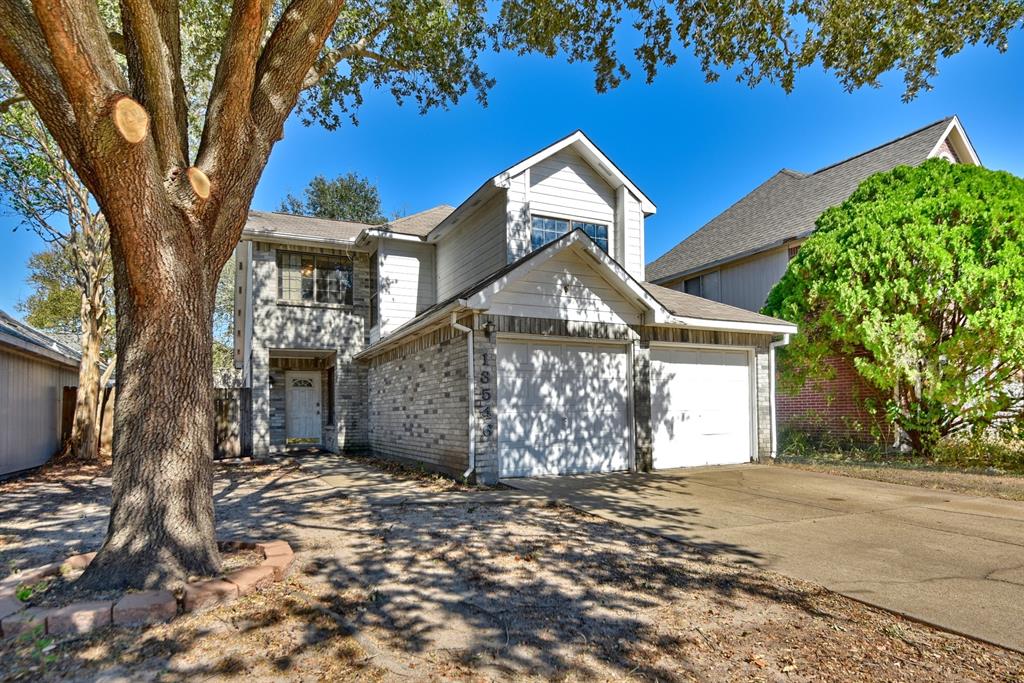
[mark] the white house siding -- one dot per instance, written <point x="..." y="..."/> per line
<point x="406" y="281"/>
<point x="565" y="287"/>
<point x="632" y="256"/>
<point x="283" y="327"/>
<point x="30" y="407"/>
<point x="517" y="212"/>
<point x="563" y="186"/>
<point x="473" y="250"/>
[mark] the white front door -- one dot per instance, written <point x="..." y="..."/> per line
<point x="700" y="406"/>
<point x="563" y="408"/>
<point x="302" y="407"/>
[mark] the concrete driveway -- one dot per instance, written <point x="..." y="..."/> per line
<point x="948" y="559"/>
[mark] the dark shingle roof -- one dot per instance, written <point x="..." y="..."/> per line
<point x="786" y="205"/>
<point x="46" y="344"/>
<point x="421" y="223"/>
<point x="690" y="306"/>
<point x="273" y="224"/>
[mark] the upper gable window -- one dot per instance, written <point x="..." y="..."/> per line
<point x="544" y="229"/>
<point x="314" y="278"/>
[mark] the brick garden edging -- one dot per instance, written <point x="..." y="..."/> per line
<point x="143" y="607"/>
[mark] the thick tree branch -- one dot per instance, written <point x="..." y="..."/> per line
<point x="287" y="57"/>
<point x="5" y="105"/>
<point x="82" y="57"/>
<point x="291" y="51"/>
<point x="24" y="52"/>
<point x="360" y="48"/>
<point x="152" y="36"/>
<point x="123" y="176"/>
<point x="227" y="114"/>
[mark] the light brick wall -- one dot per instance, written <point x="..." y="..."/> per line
<point x="418" y="402"/>
<point x="284" y="326"/>
<point x="485" y="404"/>
<point x="835" y="412"/>
<point x="418" y="408"/>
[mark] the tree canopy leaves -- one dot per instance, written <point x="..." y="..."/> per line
<point x="348" y="197"/>
<point x="919" y="276"/>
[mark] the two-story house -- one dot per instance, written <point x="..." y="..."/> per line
<point x="738" y="256"/>
<point x="513" y="335"/>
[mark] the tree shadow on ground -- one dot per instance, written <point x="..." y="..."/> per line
<point x="396" y="580"/>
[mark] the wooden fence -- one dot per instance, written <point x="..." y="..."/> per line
<point x="233" y="421"/>
<point x="233" y="408"/>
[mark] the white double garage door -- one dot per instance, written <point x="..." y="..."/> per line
<point x="566" y="407"/>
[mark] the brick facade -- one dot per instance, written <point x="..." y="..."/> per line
<point x="418" y="401"/>
<point x="834" y="412"/>
<point x="336" y="332"/>
<point x="417" y="398"/>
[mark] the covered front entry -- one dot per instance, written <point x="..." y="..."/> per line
<point x="302" y="407"/>
<point x="701" y="406"/>
<point x="563" y="407"/>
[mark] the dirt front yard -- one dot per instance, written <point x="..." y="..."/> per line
<point x="432" y="584"/>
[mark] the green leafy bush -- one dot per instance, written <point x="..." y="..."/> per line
<point x="919" y="278"/>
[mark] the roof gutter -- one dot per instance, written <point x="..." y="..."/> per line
<point x="471" y="432"/>
<point x="413" y="330"/>
<point x="378" y="233"/>
<point x="37" y="350"/>
<point x="771" y="391"/>
<point x="734" y="326"/>
<point x="292" y="238"/>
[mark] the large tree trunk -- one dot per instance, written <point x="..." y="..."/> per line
<point x="161" y="526"/>
<point x="85" y="430"/>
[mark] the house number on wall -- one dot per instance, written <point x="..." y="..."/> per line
<point x="486" y="416"/>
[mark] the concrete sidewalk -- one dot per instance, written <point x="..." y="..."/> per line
<point x="951" y="560"/>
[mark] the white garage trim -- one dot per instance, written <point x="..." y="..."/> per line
<point x="626" y="347"/>
<point x="751" y="355"/>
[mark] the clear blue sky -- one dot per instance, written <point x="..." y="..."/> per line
<point x="692" y="147"/>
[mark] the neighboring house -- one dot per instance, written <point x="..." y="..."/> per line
<point x="738" y="256"/>
<point x="514" y="335"/>
<point x="34" y="369"/>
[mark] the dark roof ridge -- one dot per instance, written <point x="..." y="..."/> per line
<point x="316" y="218"/>
<point x="884" y="144"/>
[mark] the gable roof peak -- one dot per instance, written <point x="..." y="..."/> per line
<point x="786" y="205"/>
<point x="944" y="123"/>
<point x="579" y="142"/>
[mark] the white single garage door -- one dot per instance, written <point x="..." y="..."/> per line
<point x="562" y="408"/>
<point x="700" y="406"/>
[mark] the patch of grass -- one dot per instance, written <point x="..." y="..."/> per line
<point x="26" y="591"/>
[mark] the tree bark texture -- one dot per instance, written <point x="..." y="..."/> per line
<point x="168" y="243"/>
<point x="161" y="526"/>
<point x="85" y="428"/>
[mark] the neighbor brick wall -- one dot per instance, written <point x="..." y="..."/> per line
<point x="418" y="401"/>
<point x="834" y="411"/>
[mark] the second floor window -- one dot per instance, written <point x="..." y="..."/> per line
<point x="314" y="278"/>
<point x="544" y="229"/>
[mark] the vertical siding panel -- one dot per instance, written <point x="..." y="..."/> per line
<point x="30" y="414"/>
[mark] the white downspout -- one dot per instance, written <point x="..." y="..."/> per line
<point x="472" y="396"/>
<point x="771" y="391"/>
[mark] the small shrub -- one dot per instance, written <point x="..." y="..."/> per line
<point x="980" y="453"/>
